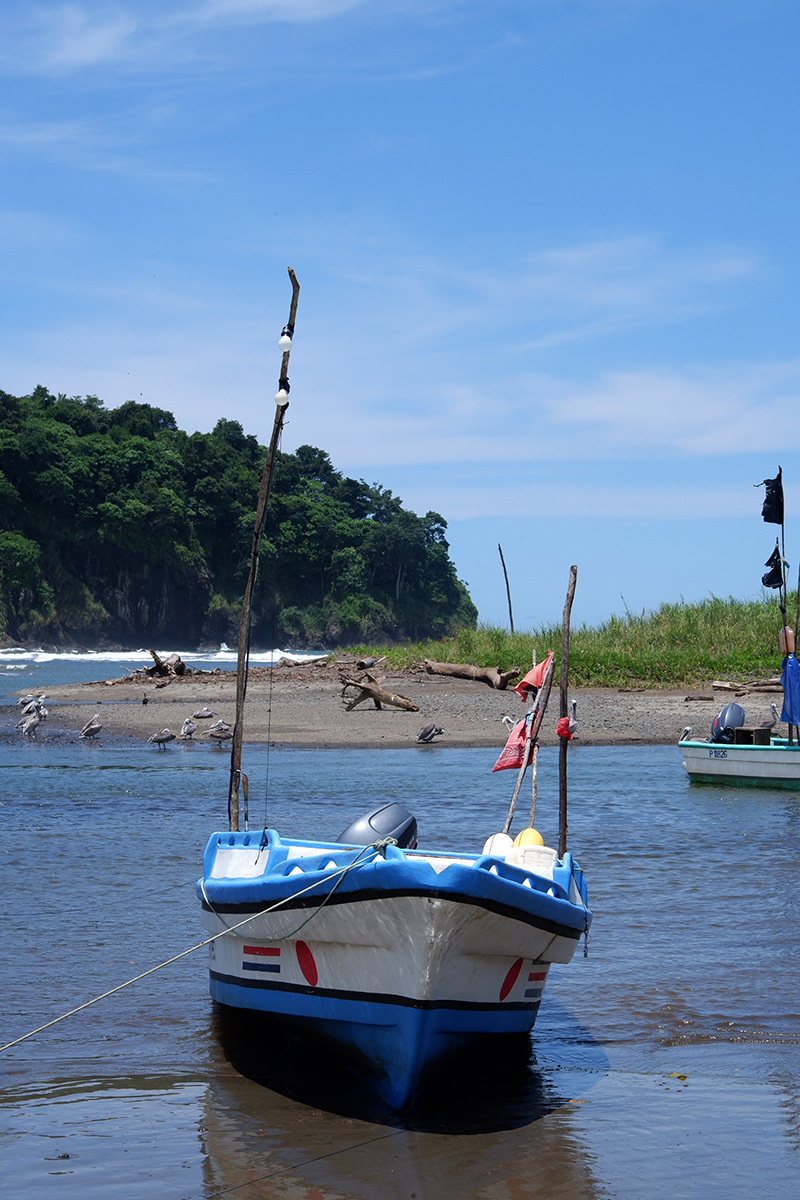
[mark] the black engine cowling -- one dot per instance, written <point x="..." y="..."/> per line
<point x="390" y="820"/>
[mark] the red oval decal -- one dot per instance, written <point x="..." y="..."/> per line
<point x="508" y="982"/>
<point x="305" y="960"/>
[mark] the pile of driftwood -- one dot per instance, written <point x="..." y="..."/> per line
<point x="174" y="665"/>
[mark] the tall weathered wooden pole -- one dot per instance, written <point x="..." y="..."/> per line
<point x="281" y="404"/>
<point x="508" y="589"/>
<point x="564" y="709"/>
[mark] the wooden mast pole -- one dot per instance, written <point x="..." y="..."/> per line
<point x="281" y="404"/>
<point x="508" y="589"/>
<point x="564" y="709"/>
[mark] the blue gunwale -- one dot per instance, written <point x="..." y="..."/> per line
<point x="489" y="882"/>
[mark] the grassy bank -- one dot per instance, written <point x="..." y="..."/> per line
<point x="673" y="645"/>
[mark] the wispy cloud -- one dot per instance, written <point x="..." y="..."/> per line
<point x="279" y="10"/>
<point x="622" y="415"/>
<point x="563" y="294"/>
<point x="121" y="143"/>
<point x="62" y="38"/>
<point x="71" y="36"/>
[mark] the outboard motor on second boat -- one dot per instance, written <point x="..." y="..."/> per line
<point x="726" y="722"/>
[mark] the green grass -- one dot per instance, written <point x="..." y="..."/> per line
<point x="674" y="645"/>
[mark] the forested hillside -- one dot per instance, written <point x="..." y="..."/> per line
<point x="118" y="527"/>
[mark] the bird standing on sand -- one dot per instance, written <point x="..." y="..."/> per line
<point x="203" y="714"/>
<point x="28" y="724"/>
<point x="91" y="728"/>
<point x="188" y="727"/>
<point x="769" y="724"/>
<point x="162" y="738"/>
<point x="509" y="722"/>
<point x="220" y="724"/>
<point x="573" y="724"/>
<point x="429" y="732"/>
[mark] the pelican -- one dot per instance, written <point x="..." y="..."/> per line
<point x="188" y="727"/>
<point x="687" y="733"/>
<point x="162" y="738"/>
<point x="220" y="724"/>
<point x="429" y="732"/>
<point x="28" y="725"/>
<point x="203" y="714"/>
<point x="573" y="724"/>
<point x="769" y="724"/>
<point x="509" y="722"/>
<point x="91" y="728"/>
<point x="220" y="735"/>
<point x="31" y="699"/>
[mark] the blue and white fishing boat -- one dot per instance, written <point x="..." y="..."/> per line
<point x="401" y="957"/>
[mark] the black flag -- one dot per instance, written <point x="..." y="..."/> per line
<point x="774" y="576"/>
<point x="772" y="510"/>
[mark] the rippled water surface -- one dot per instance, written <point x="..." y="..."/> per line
<point x="693" y="970"/>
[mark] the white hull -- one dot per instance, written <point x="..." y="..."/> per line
<point x="448" y="951"/>
<point x="776" y="765"/>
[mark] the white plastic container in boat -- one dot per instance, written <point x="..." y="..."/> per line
<point x="539" y="859"/>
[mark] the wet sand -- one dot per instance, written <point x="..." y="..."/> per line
<point x="306" y="709"/>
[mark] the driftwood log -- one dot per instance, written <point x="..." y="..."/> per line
<point x="368" y="689"/>
<point x="492" y="676"/>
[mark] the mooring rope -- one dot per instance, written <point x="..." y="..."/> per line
<point x="376" y="846"/>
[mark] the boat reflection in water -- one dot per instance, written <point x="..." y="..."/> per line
<point x="302" y="1119"/>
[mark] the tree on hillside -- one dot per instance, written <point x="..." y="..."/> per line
<point x="116" y="524"/>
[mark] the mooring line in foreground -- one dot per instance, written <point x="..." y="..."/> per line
<point x="206" y="942"/>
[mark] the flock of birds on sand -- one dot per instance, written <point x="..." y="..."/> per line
<point x="220" y="731"/>
<point x="34" y="712"/>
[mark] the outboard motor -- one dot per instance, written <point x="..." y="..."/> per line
<point x="390" y="820"/>
<point x="724" y="724"/>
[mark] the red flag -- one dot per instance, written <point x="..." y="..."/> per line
<point x="513" y="752"/>
<point x="562" y="729"/>
<point x="534" y="679"/>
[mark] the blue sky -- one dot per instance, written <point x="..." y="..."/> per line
<point x="548" y="255"/>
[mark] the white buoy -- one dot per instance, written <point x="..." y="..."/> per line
<point x="499" y="844"/>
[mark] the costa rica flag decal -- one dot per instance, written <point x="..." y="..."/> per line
<point x="262" y="958"/>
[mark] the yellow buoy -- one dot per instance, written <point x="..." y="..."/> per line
<point x="529" y="837"/>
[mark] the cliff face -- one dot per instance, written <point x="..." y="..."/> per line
<point x="105" y="597"/>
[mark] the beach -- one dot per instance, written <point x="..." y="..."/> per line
<point x="302" y="706"/>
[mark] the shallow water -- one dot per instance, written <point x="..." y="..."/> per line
<point x="693" y="970"/>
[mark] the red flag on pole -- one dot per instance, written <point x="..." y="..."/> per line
<point x="513" y="752"/>
<point x="534" y="679"/>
